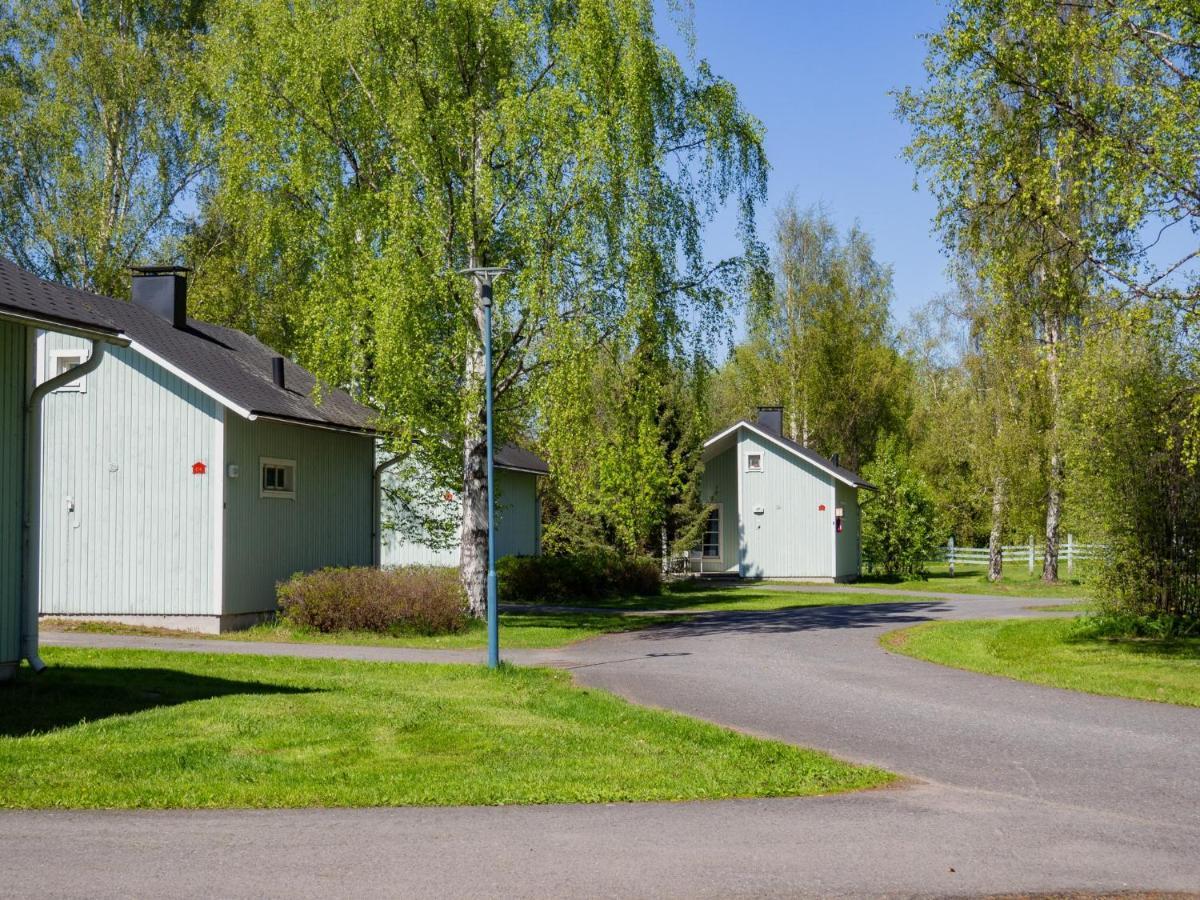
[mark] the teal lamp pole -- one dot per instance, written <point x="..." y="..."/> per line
<point x="483" y="284"/>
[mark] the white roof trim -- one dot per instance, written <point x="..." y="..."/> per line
<point x="306" y="423"/>
<point x="31" y="320"/>
<point x="194" y="382"/>
<point x="778" y="443"/>
<point x="519" y="469"/>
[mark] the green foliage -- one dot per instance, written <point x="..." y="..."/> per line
<point x="821" y="342"/>
<point x="979" y="422"/>
<point x="403" y="600"/>
<point x="368" y="150"/>
<point x="623" y="439"/>
<point x="577" y="578"/>
<point x="1038" y="110"/>
<point x="899" y="528"/>
<point x="99" y="118"/>
<point x="1132" y="395"/>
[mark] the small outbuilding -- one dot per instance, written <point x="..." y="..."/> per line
<point x="518" y="517"/>
<point x="777" y="509"/>
<point x="191" y="471"/>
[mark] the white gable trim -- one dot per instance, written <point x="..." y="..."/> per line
<point x="766" y="435"/>
<point x="194" y="382"/>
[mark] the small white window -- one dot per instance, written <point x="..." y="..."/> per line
<point x="63" y="361"/>
<point x="754" y="462"/>
<point x="277" y="478"/>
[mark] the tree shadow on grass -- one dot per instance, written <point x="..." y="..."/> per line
<point x="63" y="695"/>
<point x="1176" y="648"/>
<point x="795" y="619"/>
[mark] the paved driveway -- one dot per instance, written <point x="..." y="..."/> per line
<point x="1014" y="788"/>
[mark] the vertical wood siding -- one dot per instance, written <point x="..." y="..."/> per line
<point x="792" y="537"/>
<point x="13" y="370"/>
<point x="849" y="563"/>
<point x="518" y="527"/>
<point x="139" y="540"/>
<point x="328" y="523"/>
<point x="719" y="484"/>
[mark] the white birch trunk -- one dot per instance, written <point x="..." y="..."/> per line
<point x="995" y="539"/>
<point x="473" y="562"/>
<point x="1054" y="493"/>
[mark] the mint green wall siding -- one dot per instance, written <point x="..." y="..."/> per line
<point x="719" y="484"/>
<point x="126" y="527"/>
<point x="518" y="527"/>
<point x="848" y="549"/>
<point x="518" y="514"/>
<point x="791" y="537"/>
<point x="13" y="369"/>
<point x="327" y="524"/>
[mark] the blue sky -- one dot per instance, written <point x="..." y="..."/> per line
<point x="817" y="74"/>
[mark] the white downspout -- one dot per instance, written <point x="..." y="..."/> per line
<point x="31" y="501"/>
<point x="377" y="508"/>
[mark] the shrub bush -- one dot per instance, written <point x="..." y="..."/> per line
<point x="580" y="576"/>
<point x="404" y="600"/>
<point x="899" y="523"/>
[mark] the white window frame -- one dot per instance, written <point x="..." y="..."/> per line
<point x="263" y="463"/>
<point x="720" y="511"/>
<point x="80" y="355"/>
<point x="762" y="460"/>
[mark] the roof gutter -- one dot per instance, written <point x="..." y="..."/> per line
<point x="308" y="423"/>
<point x="31" y="500"/>
<point x="91" y="334"/>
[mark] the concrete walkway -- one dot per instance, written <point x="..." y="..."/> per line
<point x="1014" y="788"/>
<point x="287" y="648"/>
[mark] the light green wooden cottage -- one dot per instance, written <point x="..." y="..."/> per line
<point x="777" y="509"/>
<point x="191" y="471"/>
<point x="518" y="516"/>
<point x="28" y="306"/>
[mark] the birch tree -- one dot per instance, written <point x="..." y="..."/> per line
<point x="98" y="133"/>
<point x="373" y="148"/>
<point x="821" y="342"/>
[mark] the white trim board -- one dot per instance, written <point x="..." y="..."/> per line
<point x="218" y="510"/>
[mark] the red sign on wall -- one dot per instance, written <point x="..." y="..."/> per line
<point x="821" y="507"/>
<point x="199" y="468"/>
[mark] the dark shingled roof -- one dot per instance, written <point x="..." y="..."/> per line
<point x="818" y="459"/>
<point x="233" y="365"/>
<point x="24" y="293"/>
<point x="510" y="456"/>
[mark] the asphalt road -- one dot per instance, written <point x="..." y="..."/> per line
<point x="1013" y="788"/>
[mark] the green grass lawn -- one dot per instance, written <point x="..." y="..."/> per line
<point x="973" y="580"/>
<point x="517" y="630"/>
<point x="702" y="596"/>
<point x="137" y="728"/>
<point x="1058" y="653"/>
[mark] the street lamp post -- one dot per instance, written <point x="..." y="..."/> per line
<point x="483" y="282"/>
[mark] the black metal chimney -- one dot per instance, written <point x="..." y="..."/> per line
<point x="770" y="419"/>
<point x="163" y="291"/>
<point x="277" y="371"/>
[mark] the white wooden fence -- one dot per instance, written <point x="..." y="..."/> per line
<point x="1032" y="553"/>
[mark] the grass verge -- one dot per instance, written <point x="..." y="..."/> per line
<point x="705" y="597"/>
<point x="1060" y="653"/>
<point x="517" y="630"/>
<point x="1016" y="582"/>
<point x="137" y="728"/>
